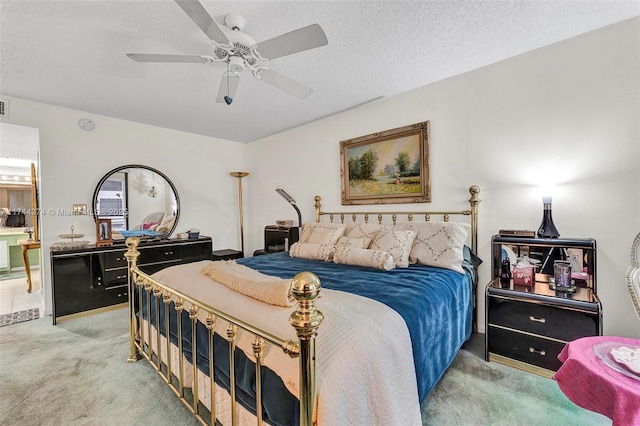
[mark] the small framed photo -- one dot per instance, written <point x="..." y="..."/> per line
<point x="79" y="209"/>
<point x="103" y="232"/>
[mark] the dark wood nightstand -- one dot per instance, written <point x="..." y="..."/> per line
<point x="527" y="326"/>
<point x="226" y="254"/>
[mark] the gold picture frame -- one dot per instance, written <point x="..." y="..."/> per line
<point x="103" y="232"/>
<point x="79" y="209"/>
<point x="388" y="167"/>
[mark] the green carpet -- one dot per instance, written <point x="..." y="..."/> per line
<point x="76" y="373"/>
<point x="475" y="392"/>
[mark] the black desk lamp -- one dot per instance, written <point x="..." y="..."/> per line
<point x="291" y="201"/>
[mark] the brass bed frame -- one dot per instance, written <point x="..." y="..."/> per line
<point x="305" y="288"/>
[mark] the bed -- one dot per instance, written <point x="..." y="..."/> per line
<point x="362" y="336"/>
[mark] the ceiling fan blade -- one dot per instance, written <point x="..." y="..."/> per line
<point x="203" y="20"/>
<point x="296" y="41"/>
<point x="284" y="83"/>
<point x="228" y="86"/>
<point x="151" y="57"/>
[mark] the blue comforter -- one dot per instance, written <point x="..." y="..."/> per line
<point x="435" y="303"/>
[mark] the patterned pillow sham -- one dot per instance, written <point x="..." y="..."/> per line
<point x="438" y="243"/>
<point x="312" y="251"/>
<point x="321" y="233"/>
<point x="395" y="241"/>
<point x="364" y="257"/>
<point x="363" y="230"/>
<point x="361" y="243"/>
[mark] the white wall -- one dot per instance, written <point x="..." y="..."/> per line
<point x="569" y="111"/>
<point x="73" y="160"/>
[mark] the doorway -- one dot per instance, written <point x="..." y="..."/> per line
<point x="19" y="148"/>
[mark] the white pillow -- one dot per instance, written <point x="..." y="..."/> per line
<point x="363" y="230"/>
<point x="321" y="233"/>
<point x="397" y="242"/>
<point x="361" y="243"/>
<point x="363" y="257"/>
<point x="438" y="243"/>
<point x="312" y="251"/>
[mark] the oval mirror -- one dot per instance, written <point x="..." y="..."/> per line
<point x="139" y="200"/>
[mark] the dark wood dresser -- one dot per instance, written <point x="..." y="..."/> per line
<point x="528" y="325"/>
<point x="91" y="277"/>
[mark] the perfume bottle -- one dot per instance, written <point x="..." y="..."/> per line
<point x="505" y="273"/>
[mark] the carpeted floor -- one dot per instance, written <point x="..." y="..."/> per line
<point x="76" y="373"/>
<point x="20" y="316"/>
<point x="474" y="392"/>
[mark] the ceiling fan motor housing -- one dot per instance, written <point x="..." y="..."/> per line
<point x="236" y="64"/>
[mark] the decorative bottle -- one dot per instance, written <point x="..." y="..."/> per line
<point x="505" y="273"/>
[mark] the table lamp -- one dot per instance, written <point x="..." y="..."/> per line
<point x="547" y="229"/>
<point x="291" y="201"/>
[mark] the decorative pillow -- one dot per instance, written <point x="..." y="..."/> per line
<point x="312" y="251"/>
<point x="396" y="242"/>
<point x="148" y="225"/>
<point x="361" y="243"/>
<point x="364" y="257"/>
<point x="363" y="230"/>
<point x="438" y="243"/>
<point x="164" y="226"/>
<point x="321" y="233"/>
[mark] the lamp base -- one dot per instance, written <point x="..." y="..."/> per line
<point x="547" y="229"/>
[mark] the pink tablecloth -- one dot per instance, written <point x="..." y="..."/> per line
<point x="590" y="383"/>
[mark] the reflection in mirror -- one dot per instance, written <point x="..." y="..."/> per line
<point x="139" y="200"/>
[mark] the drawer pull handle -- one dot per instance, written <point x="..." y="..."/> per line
<point x="167" y="253"/>
<point x="536" y="351"/>
<point x="540" y="320"/>
<point x="120" y="277"/>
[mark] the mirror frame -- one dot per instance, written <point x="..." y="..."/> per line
<point x="139" y="166"/>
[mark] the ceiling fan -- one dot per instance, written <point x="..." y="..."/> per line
<point x="239" y="51"/>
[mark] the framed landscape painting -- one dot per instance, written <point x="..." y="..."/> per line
<point x="389" y="167"/>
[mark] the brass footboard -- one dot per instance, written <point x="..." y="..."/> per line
<point x="305" y="288"/>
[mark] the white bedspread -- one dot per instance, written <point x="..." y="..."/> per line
<point x="364" y="359"/>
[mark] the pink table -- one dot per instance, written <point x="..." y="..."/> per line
<point x="587" y="381"/>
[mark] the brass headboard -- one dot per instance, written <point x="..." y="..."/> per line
<point x="472" y="212"/>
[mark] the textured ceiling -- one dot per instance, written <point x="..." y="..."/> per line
<point x="72" y="54"/>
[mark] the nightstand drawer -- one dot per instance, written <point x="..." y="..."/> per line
<point x="557" y="323"/>
<point x="522" y="347"/>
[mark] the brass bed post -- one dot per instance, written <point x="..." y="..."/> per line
<point x="318" y="206"/>
<point x="193" y="315"/>
<point x="132" y="260"/>
<point x="305" y="288"/>
<point x="474" y="201"/>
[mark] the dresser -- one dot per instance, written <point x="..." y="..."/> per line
<point x="91" y="278"/>
<point x="528" y="325"/>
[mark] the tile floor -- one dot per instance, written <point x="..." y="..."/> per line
<point x="14" y="296"/>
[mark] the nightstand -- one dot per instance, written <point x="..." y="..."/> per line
<point x="527" y="326"/>
<point x="226" y="254"/>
